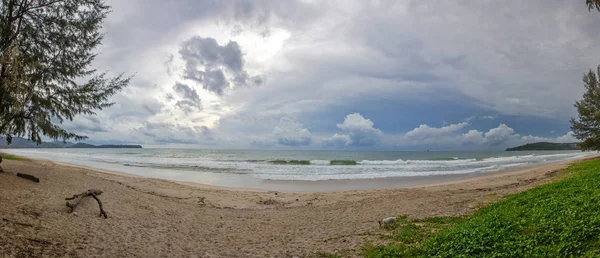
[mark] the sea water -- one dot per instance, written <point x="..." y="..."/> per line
<point x="255" y="168"/>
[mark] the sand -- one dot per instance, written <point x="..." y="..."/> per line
<point x="159" y="218"/>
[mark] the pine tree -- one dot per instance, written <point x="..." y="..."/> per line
<point x="46" y="48"/>
<point x="587" y="125"/>
<point x="593" y="4"/>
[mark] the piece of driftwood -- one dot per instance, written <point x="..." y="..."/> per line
<point x="28" y="177"/>
<point x="77" y="198"/>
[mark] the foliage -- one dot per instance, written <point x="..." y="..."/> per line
<point x="546" y="146"/>
<point x="46" y="48"/>
<point x="9" y="157"/>
<point x="587" y="126"/>
<point x="559" y="219"/>
<point x="408" y="236"/>
<point x="593" y="4"/>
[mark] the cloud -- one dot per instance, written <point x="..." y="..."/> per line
<point x="206" y="63"/>
<point x="489" y="117"/>
<point x="85" y="125"/>
<point x="425" y="131"/>
<point x="499" y="135"/>
<point x="566" y="138"/>
<point x="423" y="53"/>
<point x="291" y="133"/>
<point x="337" y="141"/>
<point x="189" y="99"/>
<point x="360" y="133"/>
<point x="453" y="137"/>
<point x="163" y="133"/>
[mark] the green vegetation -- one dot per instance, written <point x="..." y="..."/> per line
<point x="46" y="49"/>
<point x="342" y="162"/>
<point x="407" y="236"/>
<point x="18" y="142"/>
<point x="291" y="162"/>
<point x="559" y="219"/>
<point x="587" y="127"/>
<point x="593" y="4"/>
<point x="546" y="146"/>
<point x="8" y="157"/>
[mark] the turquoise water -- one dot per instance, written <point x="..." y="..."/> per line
<point x="210" y="166"/>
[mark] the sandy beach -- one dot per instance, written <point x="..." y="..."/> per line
<point x="159" y="218"/>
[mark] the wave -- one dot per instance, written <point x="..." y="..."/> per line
<point x="190" y="167"/>
<point x="290" y="162"/>
<point x="342" y="162"/>
<point x="312" y="162"/>
<point x="311" y="166"/>
<point x="434" y="162"/>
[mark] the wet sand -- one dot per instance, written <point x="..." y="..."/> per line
<point x="159" y="218"/>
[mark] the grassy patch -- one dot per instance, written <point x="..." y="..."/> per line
<point x="8" y="157"/>
<point x="407" y="236"/>
<point x="342" y="162"/>
<point x="560" y="219"/>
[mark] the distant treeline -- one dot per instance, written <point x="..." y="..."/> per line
<point x="546" y="146"/>
<point x="21" y="143"/>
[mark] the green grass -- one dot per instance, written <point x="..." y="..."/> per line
<point x="342" y="162"/>
<point x="560" y="219"/>
<point x="8" y="157"/>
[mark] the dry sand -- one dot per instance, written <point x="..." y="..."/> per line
<point x="158" y="218"/>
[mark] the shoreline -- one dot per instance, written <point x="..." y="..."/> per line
<point x="332" y="185"/>
<point x="156" y="217"/>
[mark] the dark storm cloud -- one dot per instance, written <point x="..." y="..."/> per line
<point x="163" y="132"/>
<point x="206" y="63"/>
<point x="189" y="98"/>
<point x="87" y="124"/>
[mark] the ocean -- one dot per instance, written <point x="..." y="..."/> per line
<point x="278" y="170"/>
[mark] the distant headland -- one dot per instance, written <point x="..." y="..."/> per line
<point x="546" y="146"/>
<point x="20" y="143"/>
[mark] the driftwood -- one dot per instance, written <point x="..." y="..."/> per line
<point x="79" y="197"/>
<point x="29" y="177"/>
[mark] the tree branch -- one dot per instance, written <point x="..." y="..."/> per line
<point x="45" y="5"/>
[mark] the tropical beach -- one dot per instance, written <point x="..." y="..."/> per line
<point x="153" y="217"/>
<point x="328" y="129"/>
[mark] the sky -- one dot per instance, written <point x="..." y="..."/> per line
<point x="355" y="75"/>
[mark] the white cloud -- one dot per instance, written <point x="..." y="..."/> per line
<point x="165" y="133"/>
<point x="450" y="137"/>
<point x="489" y="117"/>
<point x="360" y="132"/>
<point x="499" y="135"/>
<point x="425" y="131"/>
<point x="566" y="138"/>
<point x="291" y="133"/>
<point x="337" y="140"/>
